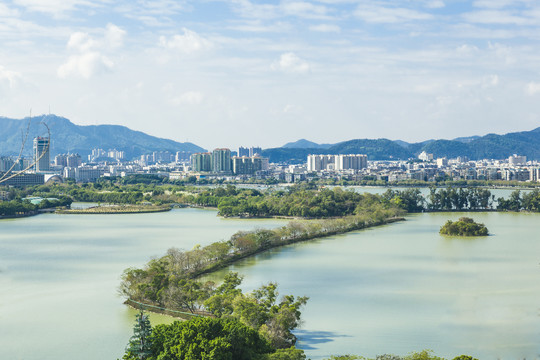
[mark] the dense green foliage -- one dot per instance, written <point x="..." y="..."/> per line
<point x="409" y="200"/>
<point x="518" y="201"/>
<point x="464" y="227"/>
<point x="447" y="199"/>
<point x="308" y="200"/>
<point x="22" y="207"/>
<point x="259" y="310"/>
<point x="205" y="338"/>
<point x="298" y="201"/>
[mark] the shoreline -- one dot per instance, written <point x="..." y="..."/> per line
<point x="234" y="258"/>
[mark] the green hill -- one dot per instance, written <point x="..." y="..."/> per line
<point x="490" y="146"/>
<point x="68" y="137"/>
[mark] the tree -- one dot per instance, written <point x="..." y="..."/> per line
<point x="140" y="344"/>
<point x="221" y="302"/>
<point x="188" y="294"/>
<point x="423" y="355"/>
<point x="291" y="353"/>
<point x="208" y="338"/>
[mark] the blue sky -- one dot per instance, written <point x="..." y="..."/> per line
<point x="245" y="73"/>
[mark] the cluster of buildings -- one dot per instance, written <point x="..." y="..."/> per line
<point x="99" y="154"/>
<point x="221" y="162"/>
<point x="248" y="163"/>
<point x="427" y="168"/>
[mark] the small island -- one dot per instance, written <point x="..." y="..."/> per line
<point x="464" y="227"/>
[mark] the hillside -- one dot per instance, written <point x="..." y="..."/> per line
<point x="68" y="137"/>
<point x="490" y="146"/>
<point x="305" y="144"/>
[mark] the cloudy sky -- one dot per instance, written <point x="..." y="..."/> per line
<point x="244" y="72"/>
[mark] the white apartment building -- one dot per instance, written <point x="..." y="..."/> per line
<point x="336" y="162"/>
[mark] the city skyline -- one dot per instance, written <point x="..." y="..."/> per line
<point x="274" y="72"/>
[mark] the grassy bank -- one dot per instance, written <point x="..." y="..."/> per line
<point x="117" y="209"/>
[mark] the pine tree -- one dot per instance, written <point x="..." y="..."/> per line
<point x="140" y="344"/>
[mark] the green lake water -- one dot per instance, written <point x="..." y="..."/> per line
<point x="403" y="287"/>
<point x="59" y="276"/>
<point x="392" y="289"/>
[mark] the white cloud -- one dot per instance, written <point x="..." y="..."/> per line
<point x="10" y="78"/>
<point x="490" y="81"/>
<point x="466" y="49"/>
<point x="533" y="88"/>
<point x="499" y="17"/>
<point x="81" y="42"/>
<point x="498" y="4"/>
<point x="261" y="27"/>
<point x="292" y="109"/>
<point x="5" y="11"/>
<point x="114" y="36"/>
<point x="435" y="4"/>
<point x="190" y="42"/>
<point x="289" y="62"/>
<point x="85" y="65"/>
<point x="252" y="11"/>
<point x="304" y="9"/>
<point x="380" y="14"/>
<point x="57" y="7"/>
<point x="326" y="28"/>
<point x="189" y="97"/>
<point x="90" y="58"/>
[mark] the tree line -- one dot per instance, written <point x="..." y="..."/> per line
<point x="302" y="201"/>
<point x="24" y="207"/>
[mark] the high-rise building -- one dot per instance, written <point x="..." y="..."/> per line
<point x="351" y="161"/>
<point x="255" y="151"/>
<point x="517" y="160"/>
<point x="60" y="160"/>
<point x="42" y="154"/>
<point x="201" y="162"/>
<point x="5" y="163"/>
<point x="182" y="156"/>
<point x="74" y="160"/>
<point x="336" y="162"/>
<point x="250" y="152"/>
<point x="221" y="161"/>
<point x="242" y="151"/>
<point x="248" y="165"/>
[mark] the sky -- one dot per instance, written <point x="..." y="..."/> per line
<point x="229" y="73"/>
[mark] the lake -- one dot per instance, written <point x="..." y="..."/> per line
<point x="392" y="289"/>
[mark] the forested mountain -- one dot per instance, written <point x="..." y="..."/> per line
<point x="68" y="137"/>
<point x="306" y="144"/>
<point x="490" y="146"/>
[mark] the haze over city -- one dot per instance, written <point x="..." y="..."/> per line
<point x="233" y="72"/>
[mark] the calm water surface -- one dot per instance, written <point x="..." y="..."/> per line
<point x="59" y="275"/>
<point x="391" y="289"/>
<point x="403" y="287"/>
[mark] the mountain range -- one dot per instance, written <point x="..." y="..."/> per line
<point x="491" y="146"/>
<point x="68" y="137"/>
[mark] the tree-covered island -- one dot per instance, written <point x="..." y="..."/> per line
<point x="465" y="226"/>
